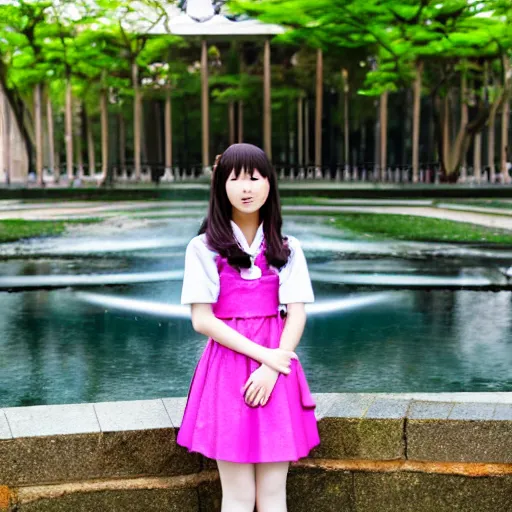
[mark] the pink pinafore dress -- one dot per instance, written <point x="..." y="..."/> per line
<point x="217" y="422"/>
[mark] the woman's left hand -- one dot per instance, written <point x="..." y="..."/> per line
<point x="260" y="385"/>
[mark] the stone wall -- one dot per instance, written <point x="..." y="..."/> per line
<point x="377" y="453"/>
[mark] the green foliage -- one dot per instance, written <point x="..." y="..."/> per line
<point x="398" y="33"/>
<point x="379" y="44"/>
<point x="45" y="42"/>
<point x="18" y="229"/>
<point x="410" y="227"/>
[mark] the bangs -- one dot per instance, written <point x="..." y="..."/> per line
<point x="246" y="157"/>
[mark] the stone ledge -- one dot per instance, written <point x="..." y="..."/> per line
<point x="5" y="431"/>
<point x="503" y="412"/>
<point x="45" y="444"/>
<point x="132" y="415"/>
<point x="66" y="419"/>
<point x="52" y="420"/>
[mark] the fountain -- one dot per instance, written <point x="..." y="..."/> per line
<point x="103" y="305"/>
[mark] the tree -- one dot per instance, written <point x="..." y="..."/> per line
<point x="23" y="70"/>
<point x="440" y="42"/>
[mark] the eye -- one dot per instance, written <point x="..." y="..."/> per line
<point x="254" y="178"/>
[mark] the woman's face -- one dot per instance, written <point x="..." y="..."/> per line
<point x="247" y="194"/>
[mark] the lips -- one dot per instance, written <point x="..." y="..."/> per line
<point x="247" y="200"/>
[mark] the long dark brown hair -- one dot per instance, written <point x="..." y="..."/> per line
<point x="217" y="225"/>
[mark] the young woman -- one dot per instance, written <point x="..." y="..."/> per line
<point x="249" y="406"/>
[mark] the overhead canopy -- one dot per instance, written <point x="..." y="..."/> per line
<point x="200" y="20"/>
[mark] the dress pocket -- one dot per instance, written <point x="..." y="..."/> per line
<point x="306" y="397"/>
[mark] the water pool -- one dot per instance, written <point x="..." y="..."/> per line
<point x="56" y="347"/>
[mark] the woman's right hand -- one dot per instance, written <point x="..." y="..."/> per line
<point x="279" y="359"/>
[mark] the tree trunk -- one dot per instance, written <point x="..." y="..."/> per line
<point x="137" y="120"/>
<point x="143" y="134"/>
<point x="168" y="133"/>
<point x="78" y="140"/>
<point x="446" y="130"/>
<point x="104" y="136"/>
<point x="491" y="144"/>
<point x="346" y="127"/>
<point x="300" y="131"/>
<point x="11" y="98"/>
<point x="432" y="151"/>
<point x="362" y="142"/>
<point x="505" y="119"/>
<point x="306" y="133"/>
<point x="69" y="130"/>
<point x="463" y="125"/>
<point x="240" y="121"/>
<point x="205" y="106"/>
<point x="51" y="139"/>
<point x="319" y="108"/>
<point x="453" y="153"/>
<point x="122" y="143"/>
<point x="231" y="116"/>
<point x="383" y="134"/>
<point x="267" y="102"/>
<point x="3" y="138"/>
<point x="477" y="157"/>
<point x="416" y="117"/>
<point x="91" y="157"/>
<point x="38" y="134"/>
<point x="7" y="138"/>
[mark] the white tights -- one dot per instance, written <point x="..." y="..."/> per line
<point x="244" y="485"/>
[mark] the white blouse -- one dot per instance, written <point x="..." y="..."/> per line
<point x="201" y="283"/>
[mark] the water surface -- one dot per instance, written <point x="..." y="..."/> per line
<point x="58" y="346"/>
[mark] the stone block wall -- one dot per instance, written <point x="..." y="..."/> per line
<point x="378" y="453"/>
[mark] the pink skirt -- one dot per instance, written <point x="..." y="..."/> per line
<point x="220" y="425"/>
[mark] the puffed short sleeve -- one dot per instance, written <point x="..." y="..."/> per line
<point x="294" y="281"/>
<point x="201" y="277"/>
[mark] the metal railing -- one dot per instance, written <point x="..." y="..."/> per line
<point x="366" y="172"/>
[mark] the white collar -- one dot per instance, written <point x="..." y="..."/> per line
<point x="240" y="238"/>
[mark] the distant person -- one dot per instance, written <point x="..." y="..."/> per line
<point x="249" y="406"/>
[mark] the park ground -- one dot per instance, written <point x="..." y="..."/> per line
<point x="476" y="221"/>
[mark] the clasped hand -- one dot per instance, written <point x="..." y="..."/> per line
<point x="261" y="382"/>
